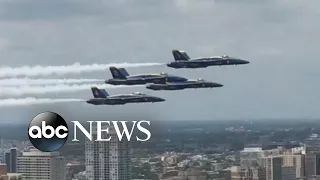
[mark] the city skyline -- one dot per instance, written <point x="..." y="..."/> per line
<point x="286" y="152"/>
<point x="279" y="38"/>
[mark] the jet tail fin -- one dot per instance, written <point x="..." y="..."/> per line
<point x="118" y="73"/>
<point x="99" y="93"/>
<point x="123" y="71"/>
<point x="104" y="92"/>
<point x="180" y="55"/>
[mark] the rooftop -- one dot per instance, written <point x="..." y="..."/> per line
<point x="252" y="149"/>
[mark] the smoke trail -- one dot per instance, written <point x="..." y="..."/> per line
<point x="32" y="101"/>
<point x="28" y="81"/>
<point x="60" y="70"/>
<point x="22" y="90"/>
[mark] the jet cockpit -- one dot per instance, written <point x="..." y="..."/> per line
<point x="138" y="93"/>
<point x="164" y="74"/>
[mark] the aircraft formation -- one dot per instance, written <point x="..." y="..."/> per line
<point x="160" y="81"/>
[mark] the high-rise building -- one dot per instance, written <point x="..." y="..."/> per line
<point x="35" y="164"/>
<point x="312" y="165"/>
<point x="312" y="144"/>
<point x="10" y="158"/>
<point x="13" y="160"/>
<point x="273" y="167"/>
<point x="312" y="148"/>
<point x="7" y="161"/>
<point x="108" y="160"/>
<point x="288" y="173"/>
<point x="296" y="160"/>
<point x="317" y="169"/>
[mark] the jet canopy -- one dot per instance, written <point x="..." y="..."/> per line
<point x="225" y="56"/>
<point x="163" y="73"/>
<point x="138" y="93"/>
<point x="200" y="79"/>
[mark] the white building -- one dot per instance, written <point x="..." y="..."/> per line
<point x="35" y="164"/>
<point x="108" y="160"/>
<point x="14" y="176"/>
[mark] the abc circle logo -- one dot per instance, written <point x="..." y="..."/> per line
<point x="48" y="131"/>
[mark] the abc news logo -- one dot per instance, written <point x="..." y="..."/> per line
<point x="48" y="131"/>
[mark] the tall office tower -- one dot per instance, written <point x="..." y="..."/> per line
<point x="108" y="160"/>
<point x="35" y="164"/>
<point x="7" y="161"/>
<point x="13" y="160"/>
<point x="312" y="148"/>
<point x="250" y="157"/>
<point x="296" y="160"/>
<point x="273" y="166"/>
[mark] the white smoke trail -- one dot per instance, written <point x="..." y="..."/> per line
<point x="22" y="90"/>
<point x="28" y="81"/>
<point x="60" y="70"/>
<point x="32" y="101"/>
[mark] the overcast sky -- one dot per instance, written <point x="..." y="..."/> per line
<point x="281" y="39"/>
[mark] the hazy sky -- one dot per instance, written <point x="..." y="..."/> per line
<point x="281" y="39"/>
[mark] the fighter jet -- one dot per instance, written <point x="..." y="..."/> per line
<point x="182" y="60"/>
<point x="101" y="97"/>
<point x="190" y="84"/>
<point x="122" y="77"/>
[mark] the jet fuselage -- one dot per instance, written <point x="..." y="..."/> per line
<point x="145" y="79"/>
<point x="124" y="99"/>
<point x="206" y="62"/>
<point x="184" y="85"/>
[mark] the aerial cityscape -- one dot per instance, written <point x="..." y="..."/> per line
<point x="228" y="88"/>
<point x="195" y="150"/>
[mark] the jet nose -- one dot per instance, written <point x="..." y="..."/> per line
<point x="160" y="99"/>
<point x="245" y="62"/>
<point x="219" y="85"/>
